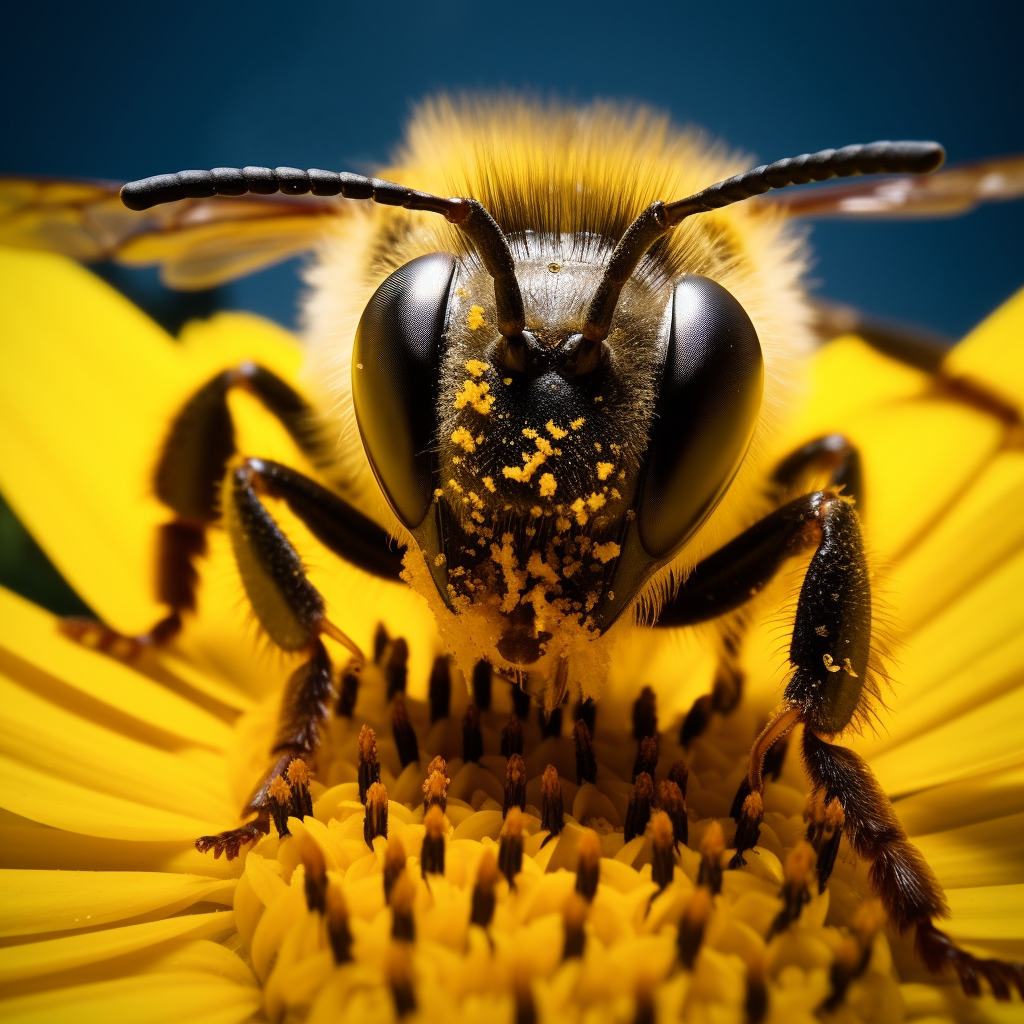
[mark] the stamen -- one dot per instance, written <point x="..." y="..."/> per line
<point x="316" y="874"/>
<point x="375" y="817"/>
<point x="403" y="896"/>
<point x="349" y="690"/>
<point x="550" y="724"/>
<point x="670" y="800"/>
<point x="396" y="671"/>
<point x="663" y="845"/>
<point x="435" y="789"/>
<point x="712" y="847"/>
<point x="482" y="685"/>
<point x="794" y="893"/>
<point x="432" y="852"/>
<point x="574" y="913"/>
<point x="440" y="689"/>
<point x="638" y="813"/>
<point x="644" y="1013"/>
<point x="645" y="714"/>
<point x="748" y="829"/>
<point x="691" y="926"/>
<point x="526" y="1008"/>
<point x="679" y="773"/>
<point x="586" y="711"/>
<point x="646" y="757"/>
<point x="588" y="868"/>
<point x="483" y="891"/>
<point x="510" y="847"/>
<point x="512" y="736"/>
<point x="280" y="795"/>
<point x="399" y="971"/>
<point x="552" y="813"/>
<point x="337" y="924"/>
<point x="586" y="763"/>
<point x="394" y="865"/>
<point x="828" y="840"/>
<point x="298" y="776"/>
<point x="369" y="762"/>
<point x="380" y="642"/>
<point x="755" y="1002"/>
<point x="405" y="735"/>
<point x="515" y="784"/>
<point x="521" y="703"/>
<point x="472" y="738"/>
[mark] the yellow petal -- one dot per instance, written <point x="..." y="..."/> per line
<point x="965" y="802"/>
<point x="988" y="853"/>
<point x="66" y="953"/>
<point x="993" y="353"/>
<point x="49" y="901"/>
<point x="986" y="912"/>
<point x="62" y="804"/>
<point x="30" y="635"/>
<point x="144" y="999"/>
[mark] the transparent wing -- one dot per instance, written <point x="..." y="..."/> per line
<point x="947" y="193"/>
<point x="198" y="243"/>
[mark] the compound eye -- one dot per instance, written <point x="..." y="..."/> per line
<point x="707" y="408"/>
<point x="394" y="380"/>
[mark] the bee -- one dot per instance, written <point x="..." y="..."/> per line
<point x="553" y="357"/>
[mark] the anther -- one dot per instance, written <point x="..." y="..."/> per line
<point x="515" y="784"/>
<point x="854" y="953"/>
<point x="574" y="913"/>
<point x="510" y="847"/>
<point x="755" y="1001"/>
<point x="794" y="893"/>
<point x="394" y="865"/>
<point x="552" y="813"/>
<point x="337" y="924"/>
<point x="521" y="703"/>
<point x="380" y="642"/>
<point x="396" y="671"/>
<point x="405" y="735"/>
<point x="435" y="789"/>
<point x="375" y="817"/>
<point x="712" y="846"/>
<point x="316" y="874"/>
<point x="748" y="829"/>
<point x="646" y="757"/>
<point x="403" y="896"/>
<point x="585" y="710"/>
<point x="440" y="689"/>
<point x="472" y="738"/>
<point x="588" y="867"/>
<point x="280" y="795"/>
<point x="638" y="812"/>
<point x="399" y="971"/>
<point x="645" y="714"/>
<point x="512" y="736"/>
<point x="526" y="1008"/>
<point x="368" y="771"/>
<point x="586" y="763"/>
<point x="483" y="891"/>
<point x="298" y="777"/>
<point x="550" y="724"/>
<point x="644" y="1012"/>
<point x="432" y="852"/>
<point x="670" y="800"/>
<point x="662" y="849"/>
<point x="825" y="833"/>
<point x="348" y="690"/>
<point x="692" y="924"/>
<point x="482" y="685"/>
<point x="679" y="773"/>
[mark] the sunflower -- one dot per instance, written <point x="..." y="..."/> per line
<point x="452" y="856"/>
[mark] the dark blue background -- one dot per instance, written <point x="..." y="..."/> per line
<point x="126" y="90"/>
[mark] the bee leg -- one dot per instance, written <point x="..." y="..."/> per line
<point x="292" y="612"/>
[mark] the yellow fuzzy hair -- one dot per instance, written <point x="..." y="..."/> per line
<point x="584" y="173"/>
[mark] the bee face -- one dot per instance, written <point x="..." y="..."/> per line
<point x="546" y="479"/>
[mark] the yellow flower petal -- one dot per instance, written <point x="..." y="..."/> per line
<point x="993" y="353"/>
<point x="988" y="853"/>
<point x="144" y="999"/>
<point x="62" y="804"/>
<point x="978" y="798"/>
<point x="987" y="912"/>
<point x="51" y="901"/>
<point x="66" y="953"/>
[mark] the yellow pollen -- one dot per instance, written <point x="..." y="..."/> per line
<point x="475" y="319"/>
<point x="438" y="492"/>
<point x="454" y="485"/>
<point x="506" y="380"/>
<point x="529" y="432"/>
<point x="577" y="423"/>
<point x="596" y="501"/>
<point x="562" y="524"/>
<point x="555" y="431"/>
<point x="604" y="470"/>
<point x="606" y="552"/>
<point x="489" y="483"/>
<point x="597" y="446"/>
<point x="581" y="516"/>
<point x="548" y="484"/>
<point x="440" y="559"/>
<point x="475" y="395"/>
<point x="464" y="439"/>
<point x="536" y="566"/>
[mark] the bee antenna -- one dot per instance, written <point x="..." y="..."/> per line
<point x="469" y="215"/>
<point x="659" y="218"/>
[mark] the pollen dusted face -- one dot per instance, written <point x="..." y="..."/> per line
<point x="538" y="470"/>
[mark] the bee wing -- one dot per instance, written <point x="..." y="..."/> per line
<point x="198" y="243"/>
<point x="946" y="193"/>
